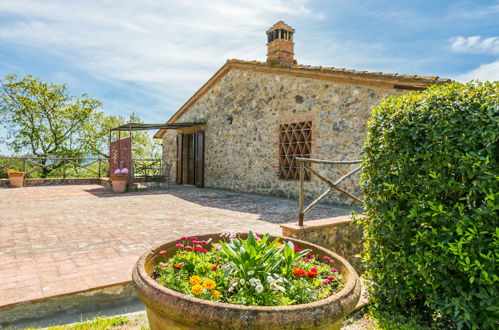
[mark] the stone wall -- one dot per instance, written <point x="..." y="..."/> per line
<point x="243" y="155"/>
<point x="58" y="181"/>
<point x="340" y="235"/>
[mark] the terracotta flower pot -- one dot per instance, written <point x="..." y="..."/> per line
<point x="119" y="183"/>
<point x="16" y="179"/>
<point x="169" y="309"/>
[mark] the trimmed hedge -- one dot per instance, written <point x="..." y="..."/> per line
<point x="431" y="185"/>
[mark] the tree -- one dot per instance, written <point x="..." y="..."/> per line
<point x="43" y="120"/>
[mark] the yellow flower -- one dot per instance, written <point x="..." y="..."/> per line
<point x="277" y="243"/>
<point x="197" y="289"/>
<point x="195" y="280"/>
<point x="209" y="284"/>
<point x="216" y="294"/>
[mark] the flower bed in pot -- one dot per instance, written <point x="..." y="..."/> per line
<point x="119" y="180"/>
<point x="219" y="282"/>
<point x="16" y="178"/>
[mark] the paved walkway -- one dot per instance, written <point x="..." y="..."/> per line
<point x="63" y="239"/>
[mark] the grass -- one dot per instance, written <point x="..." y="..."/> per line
<point x="370" y="319"/>
<point x="104" y="323"/>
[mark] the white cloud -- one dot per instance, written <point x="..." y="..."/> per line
<point x="476" y="45"/>
<point x="167" y="48"/>
<point x="484" y="72"/>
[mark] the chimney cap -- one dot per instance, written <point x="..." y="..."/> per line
<point x="280" y="25"/>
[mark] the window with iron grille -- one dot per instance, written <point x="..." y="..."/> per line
<point x="295" y="140"/>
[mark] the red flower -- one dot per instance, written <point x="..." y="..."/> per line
<point x="330" y="277"/>
<point x="306" y="259"/>
<point x="195" y="242"/>
<point x="178" y="266"/>
<point x="184" y="237"/>
<point x="192" y="237"/>
<point x="310" y="255"/>
<point x="298" y="250"/>
<point x="214" y="268"/>
<point x="334" y="270"/>
<point x="299" y="272"/>
<point x="178" y="245"/>
<point x="326" y="282"/>
<point x="200" y="249"/>
<point x="188" y="247"/>
<point x="162" y="252"/>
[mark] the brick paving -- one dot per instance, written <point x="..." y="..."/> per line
<point x="64" y="239"/>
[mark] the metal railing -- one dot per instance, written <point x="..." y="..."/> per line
<point x="306" y="164"/>
<point x="52" y="167"/>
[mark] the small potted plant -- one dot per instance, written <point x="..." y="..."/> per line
<point x="16" y="178"/>
<point x="119" y="179"/>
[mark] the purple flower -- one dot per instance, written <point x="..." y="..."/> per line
<point x="117" y="171"/>
<point x="124" y="170"/>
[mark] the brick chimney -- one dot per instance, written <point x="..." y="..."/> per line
<point x="280" y="45"/>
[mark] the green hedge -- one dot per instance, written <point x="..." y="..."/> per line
<point x="431" y="185"/>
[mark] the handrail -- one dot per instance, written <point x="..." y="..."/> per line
<point x="305" y="164"/>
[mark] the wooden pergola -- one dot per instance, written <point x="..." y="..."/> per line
<point x="120" y="150"/>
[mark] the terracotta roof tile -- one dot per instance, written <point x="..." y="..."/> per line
<point x="432" y="79"/>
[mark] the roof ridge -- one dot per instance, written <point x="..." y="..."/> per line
<point x="345" y="70"/>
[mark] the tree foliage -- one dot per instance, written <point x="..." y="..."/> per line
<point x="44" y="120"/>
<point x="431" y="186"/>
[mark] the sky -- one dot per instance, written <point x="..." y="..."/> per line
<point x="148" y="57"/>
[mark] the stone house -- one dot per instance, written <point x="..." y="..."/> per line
<point x="251" y="118"/>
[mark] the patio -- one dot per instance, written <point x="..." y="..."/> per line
<point x="58" y="240"/>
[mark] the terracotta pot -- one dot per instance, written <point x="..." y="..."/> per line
<point x="119" y="183"/>
<point x="168" y="309"/>
<point x="16" y="179"/>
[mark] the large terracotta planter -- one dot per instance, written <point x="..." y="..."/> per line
<point x="168" y="309"/>
<point x="16" y="179"/>
<point x="119" y="183"/>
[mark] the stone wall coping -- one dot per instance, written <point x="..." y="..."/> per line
<point x="41" y="181"/>
<point x="316" y="224"/>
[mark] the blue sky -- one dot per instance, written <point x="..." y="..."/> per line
<point x="150" y="56"/>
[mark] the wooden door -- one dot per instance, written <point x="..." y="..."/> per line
<point x="179" y="158"/>
<point x="199" y="159"/>
<point x="185" y="157"/>
<point x="191" y="154"/>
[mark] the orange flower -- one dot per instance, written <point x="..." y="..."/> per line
<point x="209" y="284"/>
<point x="179" y="265"/>
<point x="195" y="280"/>
<point x="299" y="272"/>
<point x="197" y="289"/>
<point x="216" y="294"/>
<point x="311" y="274"/>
